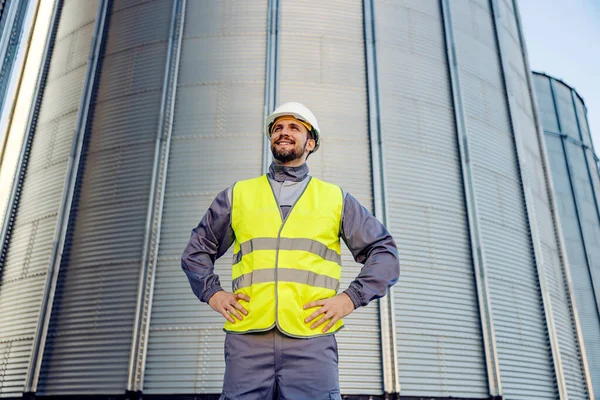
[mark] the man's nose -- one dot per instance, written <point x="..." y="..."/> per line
<point x="286" y="131"/>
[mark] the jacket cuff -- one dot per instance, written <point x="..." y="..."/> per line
<point x="354" y="295"/>
<point x="210" y="292"/>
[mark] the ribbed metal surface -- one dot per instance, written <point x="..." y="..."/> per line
<point x="216" y="140"/>
<point x="564" y="324"/>
<point x="323" y="66"/>
<point x="590" y="226"/>
<point x="387" y="321"/>
<point x="594" y="176"/>
<point x="14" y="113"/>
<point x="581" y="112"/>
<point x="577" y="207"/>
<point x="3" y="8"/>
<point x="317" y="56"/>
<point x="520" y="329"/>
<point x="10" y="40"/>
<point x="565" y="111"/>
<point x="440" y="350"/>
<point x="91" y="327"/>
<point x="545" y="103"/>
<point x="580" y="274"/>
<point x="155" y="205"/>
<point x="544" y="230"/>
<point x="26" y="264"/>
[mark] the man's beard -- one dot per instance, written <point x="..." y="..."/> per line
<point x="287" y="155"/>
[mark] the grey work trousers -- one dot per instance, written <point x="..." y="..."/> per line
<point x="270" y="365"/>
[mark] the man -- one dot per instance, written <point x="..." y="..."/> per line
<point x="285" y="227"/>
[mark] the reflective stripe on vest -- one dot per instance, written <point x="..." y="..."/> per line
<point x="285" y="275"/>
<point x="283" y="264"/>
<point x="312" y="246"/>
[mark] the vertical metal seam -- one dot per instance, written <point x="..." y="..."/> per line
<point x="5" y="133"/>
<point x="387" y="321"/>
<point x="15" y="193"/>
<point x="477" y="246"/>
<point x="155" y="202"/>
<point x="529" y="207"/>
<point x="72" y="176"/>
<point x="271" y="75"/>
<point x="13" y="199"/>
<point x="578" y="214"/>
<point x="564" y="137"/>
<point x="579" y="130"/>
<point x="595" y="289"/>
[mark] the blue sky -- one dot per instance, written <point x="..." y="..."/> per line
<point x="563" y="40"/>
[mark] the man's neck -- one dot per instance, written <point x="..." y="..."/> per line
<point x="282" y="173"/>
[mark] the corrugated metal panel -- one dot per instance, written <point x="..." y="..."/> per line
<point x="556" y="282"/>
<point x="594" y="176"/>
<point x="523" y="348"/>
<point x="571" y="213"/>
<point x="546" y="103"/>
<point x="544" y="229"/>
<point x="13" y="36"/>
<point x="440" y="350"/>
<point x="33" y="233"/>
<point x="590" y="226"/>
<point x="90" y="331"/>
<point x="582" y="118"/>
<point x="566" y="113"/>
<point x="323" y="66"/>
<point x="15" y="131"/>
<point x="578" y="264"/>
<point x="221" y="83"/>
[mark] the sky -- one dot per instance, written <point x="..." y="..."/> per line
<point x="563" y="40"/>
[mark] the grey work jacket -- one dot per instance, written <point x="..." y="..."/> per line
<point x="368" y="240"/>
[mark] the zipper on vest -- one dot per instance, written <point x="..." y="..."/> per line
<point x="283" y="221"/>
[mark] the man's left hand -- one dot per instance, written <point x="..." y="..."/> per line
<point x="333" y="309"/>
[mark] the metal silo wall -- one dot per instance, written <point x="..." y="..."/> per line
<point x="322" y="65"/>
<point x="90" y="334"/>
<point x="544" y="229"/>
<point x="24" y="271"/>
<point x="584" y="129"/>
<point x="216" y="140"/>
<point x="440" y="350"/>
<point x="123" y="213"/>
<point x="575" y="178"/>
<point x="513" y="204"/>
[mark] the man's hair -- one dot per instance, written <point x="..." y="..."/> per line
<point x="310" y="136"/>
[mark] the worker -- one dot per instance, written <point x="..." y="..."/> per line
<point x="283" y="310"/>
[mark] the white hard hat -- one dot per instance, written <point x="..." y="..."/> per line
<point x="301" y="113"/>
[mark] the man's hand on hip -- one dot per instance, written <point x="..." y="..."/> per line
<point x="333" y="309"/>
<point x="227" y="304"/>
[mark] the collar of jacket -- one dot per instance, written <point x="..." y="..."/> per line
<point x="281" y="173"/>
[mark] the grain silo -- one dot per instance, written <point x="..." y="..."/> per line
<point x="147" y="109"/>
<point x="577" y="187"/>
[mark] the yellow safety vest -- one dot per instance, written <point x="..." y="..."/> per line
<point x="285" y="264"/>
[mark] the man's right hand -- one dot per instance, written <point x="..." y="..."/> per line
<point x="227" y="304"/>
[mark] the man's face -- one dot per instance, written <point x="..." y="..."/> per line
<point x="289" y="140"/>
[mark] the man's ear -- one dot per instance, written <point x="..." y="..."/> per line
<point x="310" y="145"/>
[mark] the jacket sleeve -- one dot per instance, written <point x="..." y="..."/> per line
<point x="373" y="246"/>
<point x="209" y="241"/>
